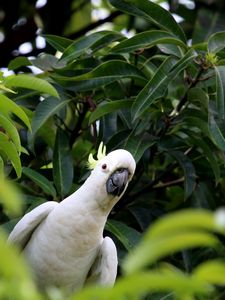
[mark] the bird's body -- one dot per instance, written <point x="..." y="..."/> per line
<point x="63" y="242"/>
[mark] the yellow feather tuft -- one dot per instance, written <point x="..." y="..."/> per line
<point x="92" y="163"/>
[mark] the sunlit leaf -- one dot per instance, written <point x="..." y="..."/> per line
<point x="151" y="250"/>
<point x="147" y="39"/>
<point x="189" y="219"/>
<point x="152" y="12"/>
<point x="10" y="150"/>
<point x="10" y="197"/>
<point x="30" y="82"/>
<point x="11" y="131"/>
<point x="211" y="271"/>
<point x="7" y="107"/>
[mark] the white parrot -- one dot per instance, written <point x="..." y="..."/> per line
<point x="63" y="242"/>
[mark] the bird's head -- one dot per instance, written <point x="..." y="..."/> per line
<point x="112" y="174"/>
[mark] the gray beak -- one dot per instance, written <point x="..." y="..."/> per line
<point x="116" y="183"/>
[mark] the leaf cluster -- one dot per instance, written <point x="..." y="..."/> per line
<point x="158" y="94"/>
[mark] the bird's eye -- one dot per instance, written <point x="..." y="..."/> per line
<point x="104" y="166"/>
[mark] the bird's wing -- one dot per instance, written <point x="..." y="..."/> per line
<point x="23" y="230"/>
<point x="104" y="268"/>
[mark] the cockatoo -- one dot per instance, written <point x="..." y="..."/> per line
<point x="63" y="242"/>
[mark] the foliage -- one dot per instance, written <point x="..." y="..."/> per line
<point x="155" y="94"/>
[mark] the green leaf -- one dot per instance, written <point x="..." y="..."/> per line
<point x="19" y="61"/>
<point x="10" y="150"/>
<point x="216" y="133"/>
<point x="11" y="131"/>
<point x="220" y="95"/>
<point x="45" y="110"/>
<point x="211" y="271"/>
<point x="104" y="74"/>
<point x="109" y="107"/>
<point x="127" y="235"/>
<point x="1" y="168"/>
<point x="158" y="85"/>
<point x="7" y="107"/>
<point x="41" y="181"/>
<point x="134" y="286"/>
<point x="153" y="13"/>
<point x="171" y="49"/>
<point x="137" y="145"/>
<point x="189" y="172"/>
<point x="150" y="250"/>
<point x="10" y="197"/>
<point x="183" y="220"/>
<point x="57" y="42"/>
<point x="62" y="164"/>
<point x="87" y="44"/>
<point x="147" y="39"/>
<point x="216" y="42"/>
<point x="210" y="155"/>
<point x="31" y="82"/>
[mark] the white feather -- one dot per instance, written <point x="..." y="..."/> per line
<point x="63" y="242"/>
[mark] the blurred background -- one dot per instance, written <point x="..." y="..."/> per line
<point x="23" y="22"/>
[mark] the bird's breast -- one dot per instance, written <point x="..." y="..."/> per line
<point x="63" y="249"/>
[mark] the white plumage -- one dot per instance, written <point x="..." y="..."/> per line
<point x="63" y="242"/>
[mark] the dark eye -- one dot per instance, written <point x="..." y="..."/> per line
<point x="104" y="166"/>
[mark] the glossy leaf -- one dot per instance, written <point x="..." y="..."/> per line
<point x="41" y="181"/>
<point x="62" y="164"/>
<point x="87" y="44"/>
<point x="154" y="89"/>
<point x="210" y="155"/>
<point x="137" y="145"/>
<point x="216" y="133"/>
<point x="128" y="236"/>
<point x="220" y="94"/>
<point x="109" y="107"/>
<point x="45" y="110"/>
<point x="7" y="107"/>
<point x="158" y="85"/>
<point x="59" y="43"/>
<point x="147" y="39"/>
<point x="216" y="42"/>
<point x="19" y="61"/>
<point x="152" y="12"/>
<point x="189" y="172"/>
<point x="104" y="74"/>
<point x="31" y="82"/>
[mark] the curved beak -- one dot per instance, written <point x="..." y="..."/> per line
<point x="116" y="183"/>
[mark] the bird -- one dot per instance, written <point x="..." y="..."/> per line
<point x="63" y="242"/>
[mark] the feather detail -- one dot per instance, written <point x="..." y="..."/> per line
<point x="92" y="163"/>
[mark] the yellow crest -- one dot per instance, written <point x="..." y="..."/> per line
<point x="92" y="163"/>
